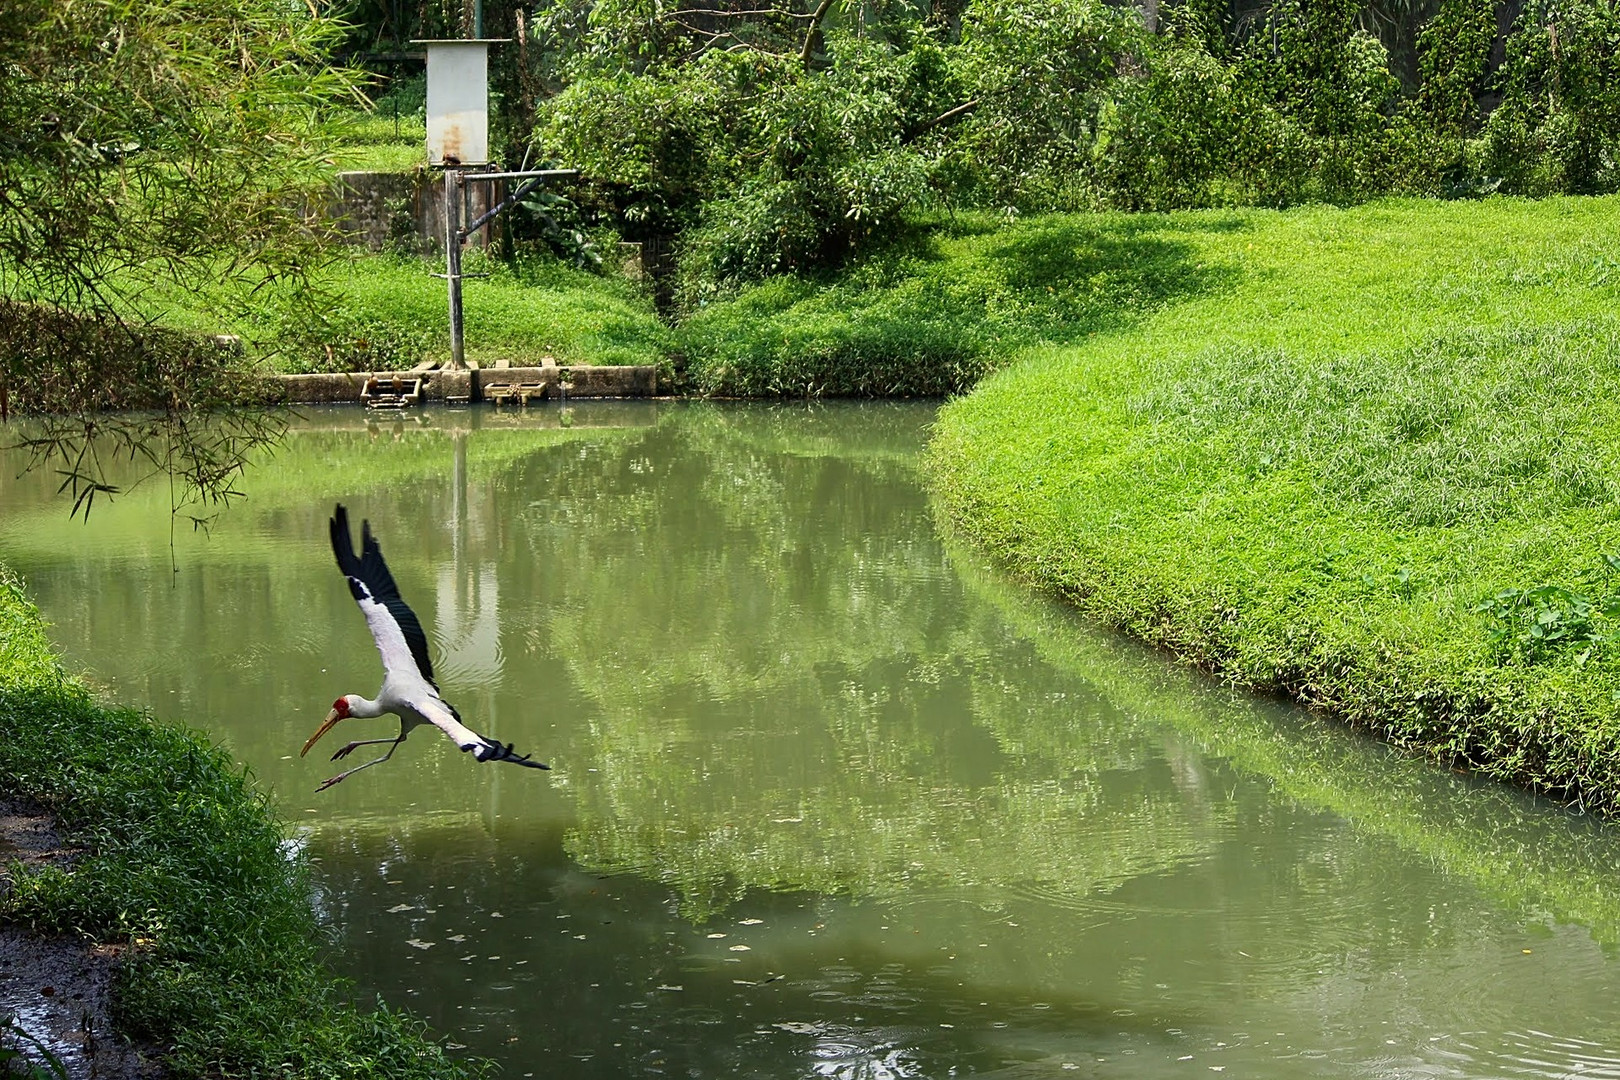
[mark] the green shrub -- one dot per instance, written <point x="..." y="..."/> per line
<point x="1558" y="126"/>
<point x="767" y="165"/>
<point x="1041" y="71"/>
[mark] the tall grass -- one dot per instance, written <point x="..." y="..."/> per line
<point x="1374" y="469"/>
<point x="186" y="866"/>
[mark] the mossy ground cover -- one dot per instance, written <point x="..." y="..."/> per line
<point x="184" y="863"/>
<point x="1370" y="462"/>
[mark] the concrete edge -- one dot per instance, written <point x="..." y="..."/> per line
<point x="485" y="384"/>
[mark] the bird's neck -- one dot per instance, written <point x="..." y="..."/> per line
<point x="363" y="707"/>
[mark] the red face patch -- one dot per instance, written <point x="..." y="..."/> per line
<point x="341" y="707"/>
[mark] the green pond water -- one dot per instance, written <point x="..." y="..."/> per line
<point x="830" y="797"/>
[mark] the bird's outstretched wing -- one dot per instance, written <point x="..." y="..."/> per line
<point x="393" y="624"/>
<point x="493" y="751"/>
<point x="444" y="717"/>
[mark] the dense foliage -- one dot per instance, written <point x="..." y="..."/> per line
<point x="786" y="136"/>
<point x="142" y="144"/>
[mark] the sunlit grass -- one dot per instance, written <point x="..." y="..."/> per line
<point x="383" y="158"/>
<point x="946" y="302"/>
<point x="380" y="140"/>
<point x="1313" y="476"/>
<point x="389" y="312"/>
<point x="521" y="313"/>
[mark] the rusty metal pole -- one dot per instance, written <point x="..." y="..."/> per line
<point x="452" y="263"/>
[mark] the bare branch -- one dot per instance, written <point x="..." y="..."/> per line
<point x="946" y="117"/>
<point x="728" y="14"/>
<point x="813" y="33"/>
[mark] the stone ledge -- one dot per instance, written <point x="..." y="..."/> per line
<point x="581" y="381"/>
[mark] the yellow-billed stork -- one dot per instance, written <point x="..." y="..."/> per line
<point x="408" y="690"/>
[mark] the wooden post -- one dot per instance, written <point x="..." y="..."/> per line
<point x="452" y="263"/>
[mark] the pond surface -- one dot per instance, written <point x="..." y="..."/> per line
<point x="830" y="798"/>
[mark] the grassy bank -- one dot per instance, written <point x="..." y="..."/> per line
<point x="946" y="302"/>
<point x="381" y="312"/>
<point x="185" y="863"/>
<point x="1367" y="457"/>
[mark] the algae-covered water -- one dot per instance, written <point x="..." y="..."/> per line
<point x="830" y="798"/>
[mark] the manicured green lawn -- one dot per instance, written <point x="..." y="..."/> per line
<point x="1368" y="457"/>
<point x="184" y="862"/>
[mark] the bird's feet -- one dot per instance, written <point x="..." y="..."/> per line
<point x="345" y="751"/>
<point x="329" y="781"/>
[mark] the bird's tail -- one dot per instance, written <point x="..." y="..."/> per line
<point x="492" y="750"/>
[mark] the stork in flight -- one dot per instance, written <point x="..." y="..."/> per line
<point x="408" y="690"/>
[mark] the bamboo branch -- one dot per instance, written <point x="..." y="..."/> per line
<point x="948" y="116"/>
<point x="722" y="12"/>
<point x="814" y="30"/>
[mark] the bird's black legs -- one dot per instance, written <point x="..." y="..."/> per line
<point x="347" y="750"/>
<point x="374" y="761"/>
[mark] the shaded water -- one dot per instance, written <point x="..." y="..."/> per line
<point x="830" y="798"/>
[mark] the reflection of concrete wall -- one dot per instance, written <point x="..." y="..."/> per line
<point x="375" y="209"/>
<point x="467" y="624"/>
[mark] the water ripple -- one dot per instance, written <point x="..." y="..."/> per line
<point x="841" y="1052"/>
<point x="1540" y="1054"/>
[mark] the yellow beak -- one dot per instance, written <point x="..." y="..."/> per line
<point x="331" y="721"/>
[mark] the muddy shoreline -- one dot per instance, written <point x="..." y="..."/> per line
<point x="58" y="991"/>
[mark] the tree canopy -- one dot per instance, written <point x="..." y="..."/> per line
<point x="769" y="136"/>
<point x="145" y="143"/>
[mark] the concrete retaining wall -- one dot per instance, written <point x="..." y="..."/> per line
<point x="546" y="382"/>
<point x="405" y="210"/>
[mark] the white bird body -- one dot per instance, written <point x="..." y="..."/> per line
<point x="408" y="690"/>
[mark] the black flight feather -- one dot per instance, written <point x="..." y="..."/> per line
<point x="492" y="750"/>
<point x="368" y="575"/>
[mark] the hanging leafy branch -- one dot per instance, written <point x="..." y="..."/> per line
<point x="146" y="144"/>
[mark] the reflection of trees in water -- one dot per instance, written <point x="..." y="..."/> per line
<point x="467" y="625"/>
<point x="1535" y="857"/>
<point x="795" y="692"/>
<point x="786" y="680"/>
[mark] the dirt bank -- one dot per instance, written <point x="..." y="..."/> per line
<point x="58" y="990"/>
